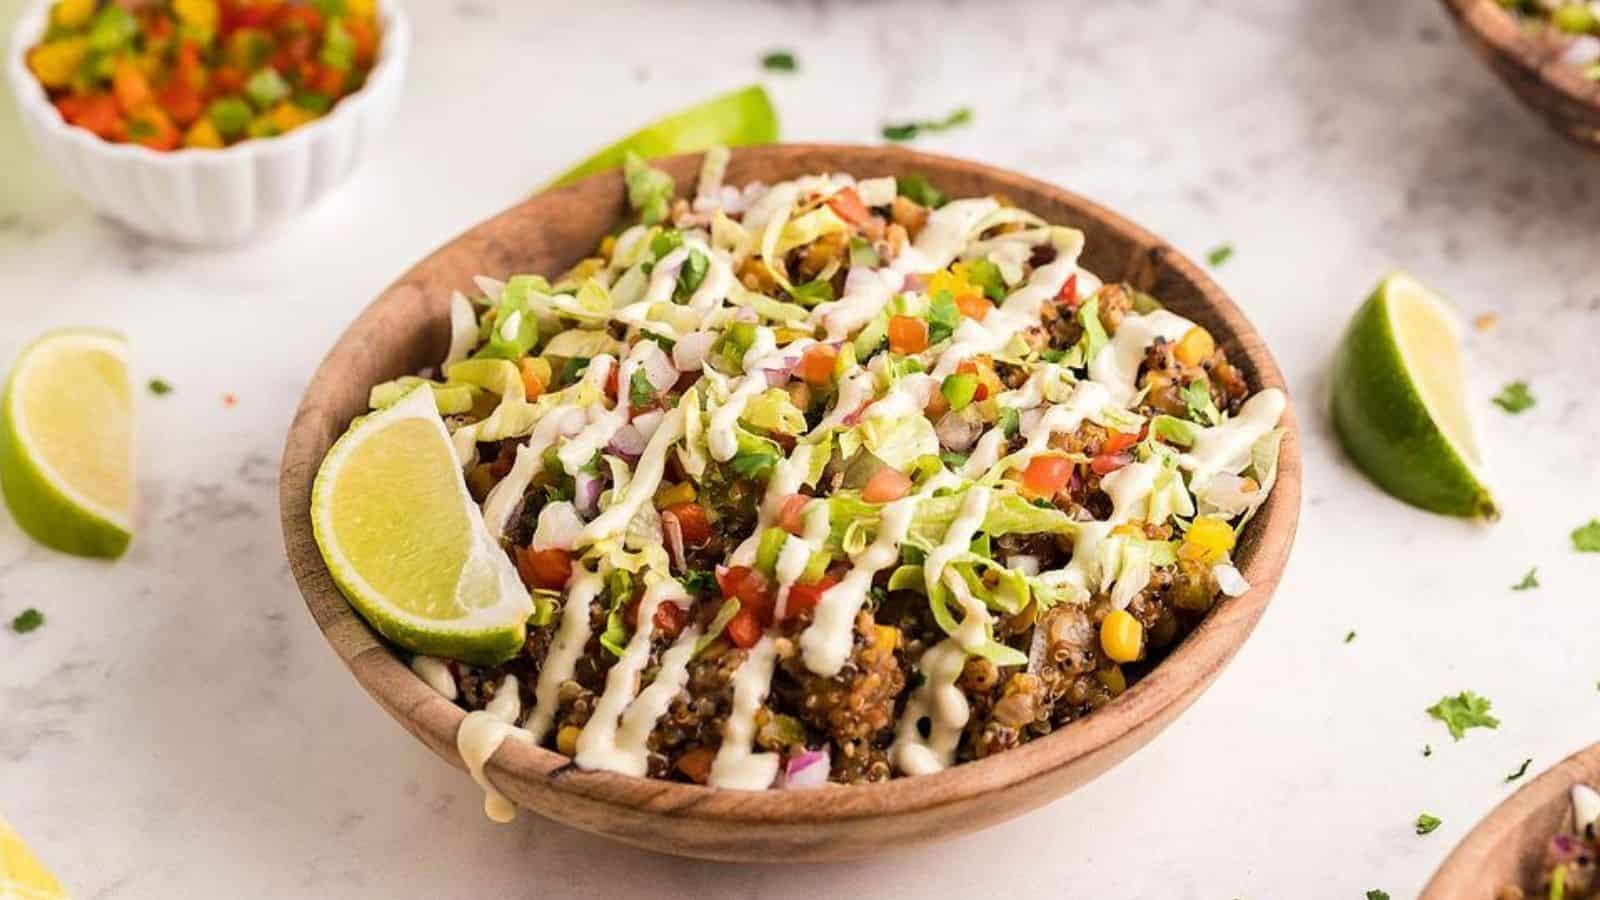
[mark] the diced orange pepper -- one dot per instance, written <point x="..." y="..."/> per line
<point x="129" y="85"/>
<point x="816" y="364"/>
<point x="181" y="101"/>
<point x="973" y="306"/>
<point x="907" y="334"/>
<point x="1046" y="475"/>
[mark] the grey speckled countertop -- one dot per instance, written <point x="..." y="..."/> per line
<point x="179" y="728"/>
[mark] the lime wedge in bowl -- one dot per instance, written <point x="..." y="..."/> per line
<point x="736" y="119"/>
<point x="1399" y="401"/>
<point x="66" y="442"/>
<point x="21" y="874"/>
<point x="406" y="544"/>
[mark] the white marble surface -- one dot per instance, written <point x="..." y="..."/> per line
<point x="179" y="728"/>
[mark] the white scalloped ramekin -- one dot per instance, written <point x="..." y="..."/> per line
<point x="212" y="197"/>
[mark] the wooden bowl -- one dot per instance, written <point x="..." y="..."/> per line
<point x="1532" y="68"/>
<point x="1508" y="846"/>
<point x="406" y="328"/>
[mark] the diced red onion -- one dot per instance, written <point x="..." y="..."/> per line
<point x="627" y="442"/>
<point x="747" y="314"/>
<point x="587" y="489"/>
<point x="674" y="533"/>
<point x="1582" y="51"/>
<point x="1024" y="563"/>
<point x="914" y="282"/>
<point x="807" y="770"/>
<point x="491" y="287"/>
<point x="956" y="432"/>
<point x="648" y="422"/>
<point x="659" y="368"/>
<point x="689" y="353"/>
<point x="776" y="377"/>
<point x="559" y="527"/>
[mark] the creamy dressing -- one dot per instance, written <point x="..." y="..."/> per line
<point x="786" y="478"/>
<point x="463" y="331"/>
<point x="435" y="673"/>
<point x="646" y="478"/>
<point x="1226" y="447"/>
<point x="600" y="743"/>
<point x="506" y="497"/>
<point x="1585" y="806"/>
<point x="481" y="734"/>
<point x="630" y="754"/>
<point x="1116" y="366"/>
<point x="565" y="649"/>
<point x="1018" y="313"/>
<point x="735" y="766"/>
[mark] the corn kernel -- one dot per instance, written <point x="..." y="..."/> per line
<point x="286" y="117"/>
<point x="55" y="62"/>
<point x="885" y="638"/>
<point x="1121" y="636"/>
<point x="1130" y="529"/>
<point x="535" y="375"/>
<point x="672" y="495"/>
<point x="203" y="135"/>
<point x="72" y="13"/>
<point x="1208" y="540"/>
<point x="1195" y="347"/>
<point x="567" y="740"/>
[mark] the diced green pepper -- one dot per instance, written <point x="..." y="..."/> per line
<point x="230" y="115"/>
<point x="959" y="389"/>
<point x="266" y="87"/>
<point x="338" y="47"/>
<point x="113" y="29"/>
<point x="816" y="567"/>
<point x="772" y="541"/>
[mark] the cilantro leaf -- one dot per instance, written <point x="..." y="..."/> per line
<point x="640" y="391"/>
<point x="1521" y="770"/>
<point x="1514" y="397"/>
<point x="1052" y="355"/>
<point x="1197" y="396"/>
<point x="1010" y="422"/>
<point x="1427" y="749"/>
<point x="665" y="241"/>
<point x="700" y="581"/>
<point x="572" y="370"/>
<point x="1350" y="638"/>
<point x="952" y="459"/>
<point x="1529" y="581"/>
<point x="943" y="317"/>
<point x="1377" y="895"/>
<point x="27" y="620"/>
<point x="754" y="463"/>
<point x="1427" y="823"/>
<point x="691" y="275"/>
<point x="905" y="131"/>
<point x="918" y="189"/>
<point x="1586" y="537"/>
<point x="1219" y="254"/>
<point x="1463" y="711"/>
<point x="779" y="61"/>
<point x="160" y="386"/>
<point x="812" y="292"/>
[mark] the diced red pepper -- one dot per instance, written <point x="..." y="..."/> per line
<point x="97" y="113"/>
<point x="791" y="516"/>
<point x="806" y="596"/>
<point x="547" y="569"/>
<point x="816" y="364"/>
<point x="1069" y="292"/>
<point x="327" y="80"/>
<point x="907" y="334"/>
<point x="1045" y="475"/>
<point x="1106" y="463"/>
<point x="744" y="629"/>
<point x="886" y="484"/>
<point x="692" y="522"/>
<point x="1118" y="441"/>
<point x="847" y="204"/>
<point x="227" y="80"/>
<point x="182" y="102"/>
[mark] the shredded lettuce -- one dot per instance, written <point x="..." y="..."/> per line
<point x="804" y="229"/>
<point x="1008" y="513"/>
<point x="692" y="453"/>
<point x="584" y="343"/>
<point x="772" y="410"/>
<point x="725" y="614"/>
<point x="898" y="442"/>
<point x="649" y="190"/>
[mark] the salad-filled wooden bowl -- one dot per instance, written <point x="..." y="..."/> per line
<point x="407" y="328"/>
<point x="1533" y="69"/>
<point x="1508" y="846"/>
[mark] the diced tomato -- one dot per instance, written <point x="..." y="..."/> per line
<point x="886" y="484"/>
<point x="1106" y="463"/>
<point x="1069" y="292"/>
<point x="816" y="364"/>
<point x="692" y="522"/>
<point x="181" y="101"/>
<point x="1046" y="475"/>
<point x="129" y="85"/>
<point x="744" y="629"/>
<point x="973" y="306"/>
<point x="696" y="764"/>
<point x="847" y="204"/>
<point x="227" y="80"/>
<point x="986" y="376"/>
<point x="327" y="80"/>
<point x="294" y="16"/>
<point x="547" y="569"/>
<point x="189" y="68"/>
<point x="748" y="586"/>
<point x="807" y="596"/>
<point x="1118" y="441"/>
<point x="236" y="14"/>
<point x="611" y="381"/>
<point x="791" y="516"/>
<point x="907" y="334"/>
<point x="97" y="113"/>
<point x="365" y="37"/>
<point x="669" y="619"/>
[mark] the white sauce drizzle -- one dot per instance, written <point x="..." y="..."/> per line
<point x="1116" y="366"/>
<point x="565" y="649"/>
<point x="1226" y="447"/>
<point x="601" y="743"/>
<point x="506" y="497"/>
<point x="646" y="478"/>
<point x="481" y="734"/>
<point x="435" y="672"/>
<point x="735" y="766"/>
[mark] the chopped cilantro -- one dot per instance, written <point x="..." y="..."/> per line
<point x="640" y="391"/>
<point x="160" y="386"/>
<point x="665" y="241"/>
<point x="906" y="131"/>
<point x="1427" y="823"/>
<point x="27" y="620"/>
<point x="1010" y="422"/>
<point x="660" y="340"/>
<point x="1053" y="355"/>
<point x="1514" y="397"/>
<point x="1219" y="254"/>
<point x="918" y="189"/>
<point x="700" y="581"/>
<point x="812" y="292"/>
<point x="1586" y="537"/>
<point x="1521" y="770"/>
<point x="1464" y="710"/>
<point x="572" y="369"/>
<point x="943" y="317"/>
<point x="754" y="463"/>
<point x="1197" y="396"/>
<point x="1427" y="749"/>
<point x="1377" y="895"/>
<point x="1350" y="637"/>
<point x="1529" y="581"/>
<point x="692" y="274"/>
<point x="953" y="460"/>
<point x="779" y="61"/>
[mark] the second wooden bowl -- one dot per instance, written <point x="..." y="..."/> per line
<point x="407" y="328"/>
<point x="1532" y="68"/>
<point x="1508" y="846"/>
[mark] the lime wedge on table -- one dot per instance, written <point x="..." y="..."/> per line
<point x="1399" y="402"/>
<point x="406" y="544"/>
<point x="21" y="874"/>
<point x="736" y="119"/>
<point x="66" y="442"/>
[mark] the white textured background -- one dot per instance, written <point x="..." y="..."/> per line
<point x="179" y="728"/>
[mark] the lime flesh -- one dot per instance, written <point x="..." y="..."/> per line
<point x="1399" y="401"/>
<point x="21" y="874"/>
<point x="406" y="544"/>
<point x="737" y="119"/>
<point x="66" y="442"/>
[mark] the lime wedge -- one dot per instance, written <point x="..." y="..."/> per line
<point x="406" y="544"/>
<point x="736" y="119"/>
<point x="21" y="874"/>
<point x="66" y="442"/>
<point x="1399" y="401"/>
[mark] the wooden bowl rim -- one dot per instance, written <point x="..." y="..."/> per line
<point x="1497" y="834"/>
<point x="1500" y="30"/>
<point x="1207" y="649"/>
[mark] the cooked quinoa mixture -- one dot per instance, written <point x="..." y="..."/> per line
<point x="1572" y="24"/>
<point x="837" y="480"/>
<point x="1571" y="866"/>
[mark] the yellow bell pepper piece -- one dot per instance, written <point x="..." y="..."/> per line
<point x="203" y="135"/>
<point x="1195" y="347"/>
<point x="286" y="117"/>
<point x="201" y="15"/>
<point x="55" y="62"/>
<point x="1208" y="540"/>
<point x="72" y="13"/>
